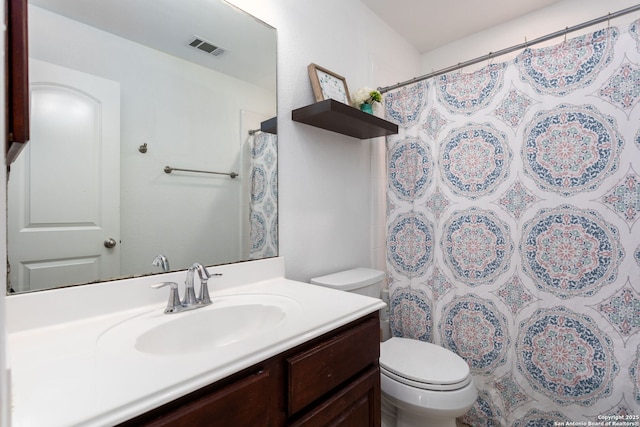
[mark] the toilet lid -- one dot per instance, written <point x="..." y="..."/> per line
<point x="423" y="364"/>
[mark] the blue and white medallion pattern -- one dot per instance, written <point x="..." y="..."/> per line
<point x="622" y="310"/>
<point x="534" y="205"/>
<point x="410" y="314"/>
<point x="263" y="211"/>
<point x="258" y="231"/>
<point x="624" y="198"/>
<point x="514" y="295"/>
<point x="513" y="108"/>
<point x="434" y="123"/>
<point x="517" y="199"/>
<point x="476" y="246"/>
<point x="566" y="357"/>
<point x="563" y="68"/>
<point x="258" y="184"/>
<point x="438" y="283"/>
<point x="474" y="160"/>
<point x="437" y="203"/>
<point x="410" y="168"/>
<point x="404" y="106"/>
<point x="570" y="252"/>
<point x="623" y="88"/>
<point x="410" y="244"/>
<point x="511" y="392"/>
<point x="474" y="329"/>
<point x="537" y="418"/>
<point x="483" y="413"/>
<point x="464" y="93"/>
<point x="571" y="149"/>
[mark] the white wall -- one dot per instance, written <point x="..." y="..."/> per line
<point x="326" y="181"/>
<point x="565" y="13"/>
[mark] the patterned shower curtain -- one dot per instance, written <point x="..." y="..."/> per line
<point x="263" y="204"/>
<point x="513" y="232"/>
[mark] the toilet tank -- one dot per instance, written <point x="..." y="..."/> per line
<point x="363" y="281"/>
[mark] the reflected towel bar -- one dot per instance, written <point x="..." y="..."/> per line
<point x="169" y="169"/>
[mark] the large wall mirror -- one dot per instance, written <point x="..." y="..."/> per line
<point x="119" y="90"/>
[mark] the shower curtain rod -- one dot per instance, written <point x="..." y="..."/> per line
<point x="520" y="46"/>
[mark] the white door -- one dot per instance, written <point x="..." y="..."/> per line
<point x="64" y="188"/>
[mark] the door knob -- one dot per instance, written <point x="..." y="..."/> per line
<point x="109" y="243"/>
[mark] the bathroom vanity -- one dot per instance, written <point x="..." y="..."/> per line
<point x="267" y="352"/>
<point x="331" y="380"/>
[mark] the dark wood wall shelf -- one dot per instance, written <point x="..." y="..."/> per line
<point x="341" y="118"/>
<point x="270" y="126"/>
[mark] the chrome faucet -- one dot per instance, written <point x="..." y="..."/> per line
<point x="189" y="301"/>
<point x="161" y="261"/>
<point x="189" y="292"/>
<point x="203" y="295"/>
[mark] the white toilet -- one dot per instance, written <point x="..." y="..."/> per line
<point x="423" y="385"/>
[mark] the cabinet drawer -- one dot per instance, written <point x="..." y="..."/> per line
<point x="243" y="403"/>
<point x="356" y="405"/>
<point x="316" y="371"/>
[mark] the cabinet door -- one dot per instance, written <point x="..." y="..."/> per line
<point x="356" y="405"/>
<point x="315" y="372"/>
<point x="243" y="403"/>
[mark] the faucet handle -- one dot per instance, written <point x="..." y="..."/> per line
<point x="203" y="296"/>
<point x="173" y="305"/>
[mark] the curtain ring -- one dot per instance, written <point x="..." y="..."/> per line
<point x="566" y="30"/>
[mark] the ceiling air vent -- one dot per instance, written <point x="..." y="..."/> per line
<point x="205" y="46"/>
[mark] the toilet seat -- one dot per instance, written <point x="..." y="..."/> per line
<point x="423" y="365"/>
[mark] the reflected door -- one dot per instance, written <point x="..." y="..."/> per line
<point x="64" y="188"/>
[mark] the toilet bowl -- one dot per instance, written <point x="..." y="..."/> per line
<point x="423" y="385"/>
<point x="426" y="384"/>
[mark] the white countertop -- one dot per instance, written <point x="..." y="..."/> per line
<point x="61" y="376"/>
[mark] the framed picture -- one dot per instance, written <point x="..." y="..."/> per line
<point x="328" y="85"/>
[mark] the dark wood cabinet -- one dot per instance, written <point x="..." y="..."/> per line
<point x="16" y="79"/>
<point x="320" y="369"/>
<point x="355" y="405"/>
<point x="242" y="403"/>
<point x="333" y="380"/>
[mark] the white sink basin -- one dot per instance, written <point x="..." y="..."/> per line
<point x="228" y="320"/>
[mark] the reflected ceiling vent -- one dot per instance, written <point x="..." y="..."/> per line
<point x="205" y="46"/>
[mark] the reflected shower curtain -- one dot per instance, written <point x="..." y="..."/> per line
<point x="263" y="204"/>
<point x="513" y="232"/>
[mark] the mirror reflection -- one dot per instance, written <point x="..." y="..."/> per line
<point x="119" y="91"/>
